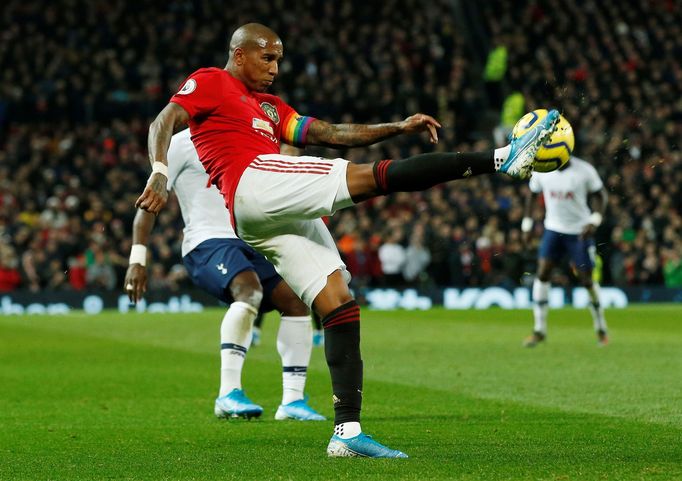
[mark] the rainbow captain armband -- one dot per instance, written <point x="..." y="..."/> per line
<point x="295" y="129"/>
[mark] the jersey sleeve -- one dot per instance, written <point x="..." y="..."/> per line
<point x="181" y="156"/>
<point x="200" y="94"/>
<point x="594" y="182"/>
<point x="535" y="185"/>
<point x="294" y="126"/>
<point x="175" y="160"/>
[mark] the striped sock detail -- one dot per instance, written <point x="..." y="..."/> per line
<point x="380" y="169"/>
<point x="234" y="347"/>
<point x="295" y="369"/>
<point x="349" y="312"/>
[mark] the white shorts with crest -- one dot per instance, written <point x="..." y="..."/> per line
<point x="278" y="207"/>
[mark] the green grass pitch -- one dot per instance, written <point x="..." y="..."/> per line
<point x="131" y="397"/>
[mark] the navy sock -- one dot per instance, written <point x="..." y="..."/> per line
<point x="342" y="350"/>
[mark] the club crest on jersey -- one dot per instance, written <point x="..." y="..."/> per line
<point x="188" y="88"/>
<point x="271" y="111"/>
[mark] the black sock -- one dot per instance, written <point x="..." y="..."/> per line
<point x="426" y="170"/>
<point x="342" y="350"/>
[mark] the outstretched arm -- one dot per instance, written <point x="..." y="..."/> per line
<point x="358" y="135"/>
<point x="161" y="130"/>
<point x="135" y="283"/>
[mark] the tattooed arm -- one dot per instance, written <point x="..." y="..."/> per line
<point x="160" y="132"/>
<point x="358" y="135"/>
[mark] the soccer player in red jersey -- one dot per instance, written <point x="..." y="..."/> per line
<point x="277" y="200"/>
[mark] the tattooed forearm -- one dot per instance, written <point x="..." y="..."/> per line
<point x="350" y="135"/>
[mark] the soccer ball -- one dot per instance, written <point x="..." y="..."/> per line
<point x="556" y="152"/>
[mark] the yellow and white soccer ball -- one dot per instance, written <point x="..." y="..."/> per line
<point x="556" y="152"/>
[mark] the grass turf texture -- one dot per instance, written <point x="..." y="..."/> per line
<point x="131" y="397"/>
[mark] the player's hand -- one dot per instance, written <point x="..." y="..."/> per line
<point x="155" y="194"/>
<point x="421" y="122"/>
<point x="135" y="283"/>
<point x="588" y="231"/>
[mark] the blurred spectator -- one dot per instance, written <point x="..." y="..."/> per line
<point x="100" y="273"/>
<point x="495" y="70"/>
<point x="393" y="257"/>
<point x="77" y="272"/>
<point x="417" y="258"/>
<point x="673" y="267"/>
<point x="10" y="277"/>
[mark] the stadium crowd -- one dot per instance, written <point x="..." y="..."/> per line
<point x="80" y="81"/>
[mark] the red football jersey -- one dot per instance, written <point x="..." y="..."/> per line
<point x="231" y="126"/>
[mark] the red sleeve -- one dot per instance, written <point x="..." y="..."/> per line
<point x="201" y="93"/>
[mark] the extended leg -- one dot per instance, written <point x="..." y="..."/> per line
<point x="423" y="171"/>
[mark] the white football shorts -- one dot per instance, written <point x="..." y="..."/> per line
<point x="277" y="207"/>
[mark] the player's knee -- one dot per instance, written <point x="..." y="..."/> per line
<point x="246" y="288"/>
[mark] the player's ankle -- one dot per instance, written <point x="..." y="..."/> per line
<point x="347" y="430"/>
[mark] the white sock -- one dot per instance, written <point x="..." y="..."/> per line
<point x="347" y="430"/>
<point x="595" y="308"/>
<point x="501" y="156"/>
<point x="235" y="337"/>
<point x="540" y="306"/>
<point x="294" y="344"/>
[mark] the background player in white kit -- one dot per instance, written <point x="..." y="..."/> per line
<point x="569" y="230"/>
<point x="233" y="272"/>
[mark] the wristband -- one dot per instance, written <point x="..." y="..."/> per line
<point x="595" y="219"/>
<point x="526" y="224"/>
<point x="138" y="254"/>
<point x="161" y="168"/>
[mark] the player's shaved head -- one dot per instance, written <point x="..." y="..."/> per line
<point x="253" y="36"/>
<point x="255" y="53"/>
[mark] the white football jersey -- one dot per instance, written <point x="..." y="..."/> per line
<point x="566" y="192"/>
<point x="201" y="204"/>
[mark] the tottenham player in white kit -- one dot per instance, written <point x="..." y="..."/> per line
<point x="233" y="272"/>
<point x="569" y="230"/>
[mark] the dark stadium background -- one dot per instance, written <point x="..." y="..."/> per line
<point x="80" y="81"/>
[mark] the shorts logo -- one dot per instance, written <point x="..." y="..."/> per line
<point x="221" y="267"/>
<point x="271" y="111"/>
<point x="189" y="87"/>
